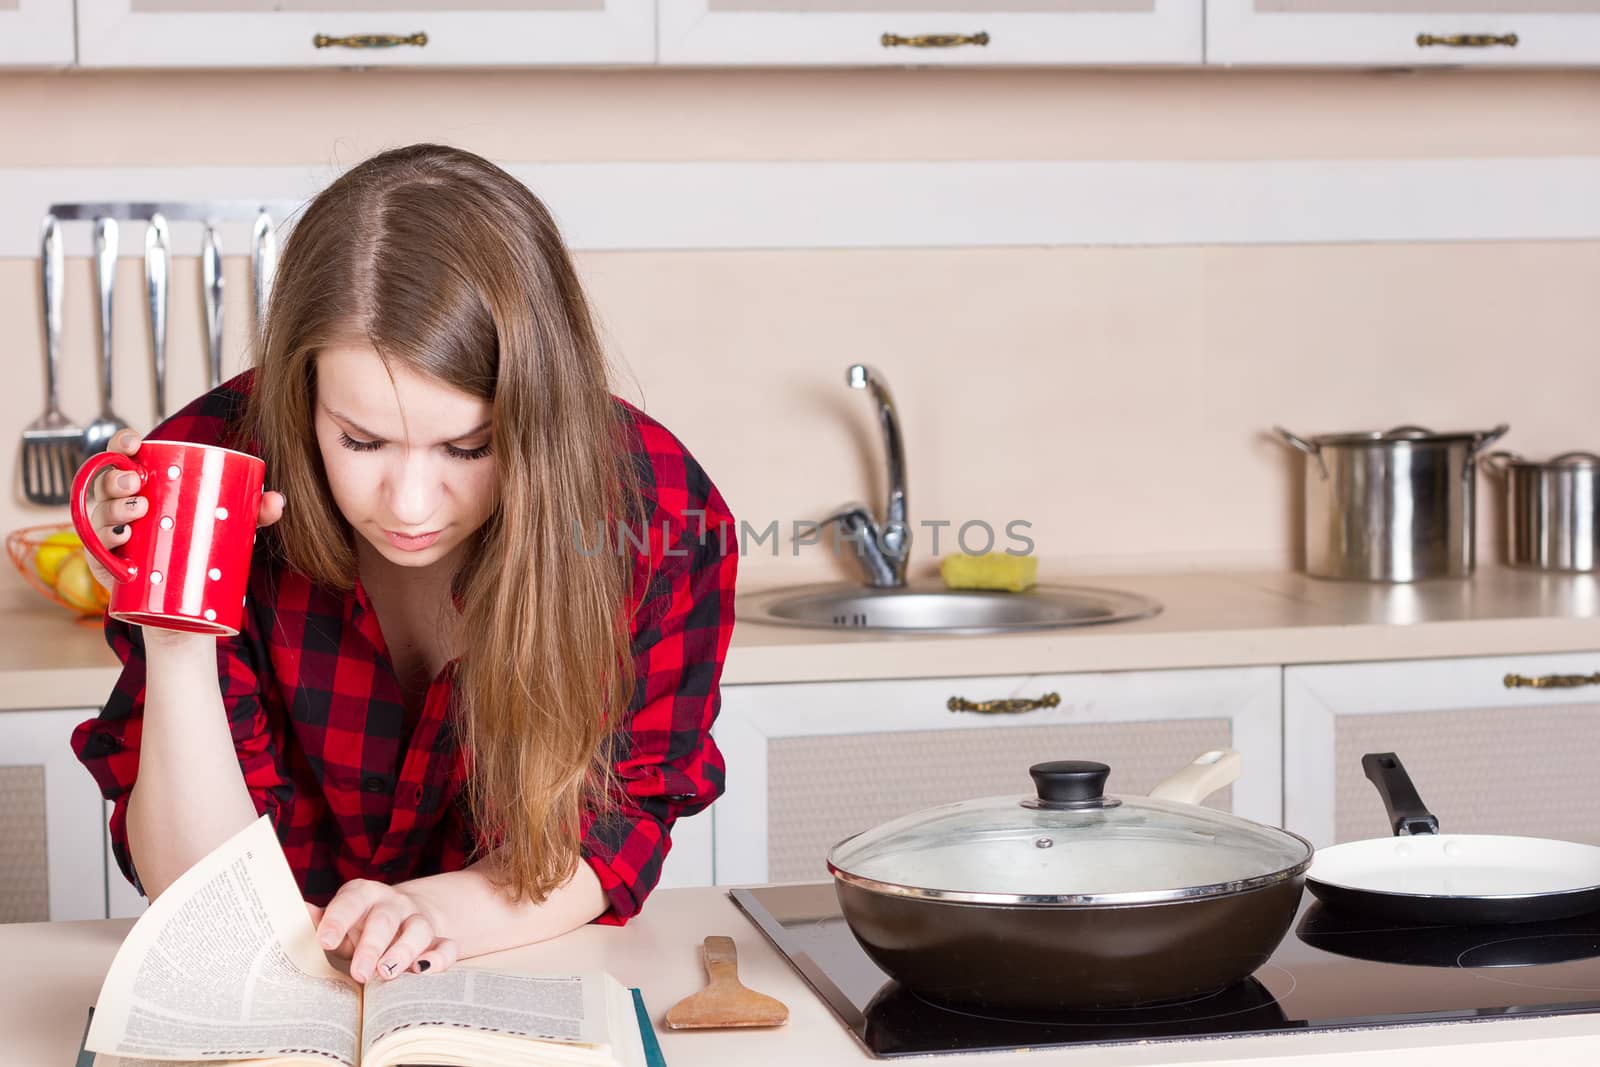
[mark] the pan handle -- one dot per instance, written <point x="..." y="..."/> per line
<point x="1209" y="772"/>
<point x="1407" y="814"/>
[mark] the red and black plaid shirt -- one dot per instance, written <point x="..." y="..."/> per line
<point x="319" y="724"/>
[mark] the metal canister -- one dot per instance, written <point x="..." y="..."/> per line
<point x="1391" y="506"/>
<point x="1551" y="510"/>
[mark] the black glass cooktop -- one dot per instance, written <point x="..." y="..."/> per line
<point x="1330" y="972"/>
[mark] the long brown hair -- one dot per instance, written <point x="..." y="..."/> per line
<point x="447" y="265"/>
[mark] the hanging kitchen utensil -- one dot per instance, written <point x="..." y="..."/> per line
<point x="157" y="260"/>
<point x="102" y="429"/>
<point x="1395" y="506"/>
<point x="1552" y="510"/>
<point x="263" y="265"/>
<point x="725" y="1001"/>
<point x="1423" y="876"/>
<point x="1072" y="899"/>
<point x="211" y="296"/>
<point x="52" y="444"/>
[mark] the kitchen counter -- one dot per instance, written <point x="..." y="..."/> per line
<point x="1214" y="620"/>
<point x="1208" y="620"/>
<point x="53" y="973"/>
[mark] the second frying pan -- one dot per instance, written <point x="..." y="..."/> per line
<point x="1423" y="876"/>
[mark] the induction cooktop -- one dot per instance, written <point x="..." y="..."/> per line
<point x="1331" y="972"/>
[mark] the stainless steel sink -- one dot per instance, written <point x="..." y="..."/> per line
<point x="931" y="608"/>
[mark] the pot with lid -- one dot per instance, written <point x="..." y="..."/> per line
<point x="1392" y="506"/>
<point x="1552" y="510"/>
<point x="1071" y="898"/>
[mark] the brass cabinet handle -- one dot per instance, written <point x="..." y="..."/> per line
<point x="1003" y="707"/>
<point x="934" y="40"/>
<point x="1468" y="40"/>
<point x="370" y="40"/>
<point x="1552" y="681"/>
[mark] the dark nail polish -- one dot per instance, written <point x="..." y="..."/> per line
<point x="119" y="530"/>
<point x="423" y="965"/>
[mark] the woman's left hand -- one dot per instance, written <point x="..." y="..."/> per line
<point x="382" y="930"/>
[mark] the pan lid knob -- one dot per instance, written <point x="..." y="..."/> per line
<point x="1070" y="784"/>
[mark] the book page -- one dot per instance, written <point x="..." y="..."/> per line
<point x="225" y="965"/>
<point x="564" y="1008"/>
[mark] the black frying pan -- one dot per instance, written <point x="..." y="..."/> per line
<point x="1423" y="876"/>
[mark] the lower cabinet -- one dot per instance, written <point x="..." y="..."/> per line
<point x="122" y="900"/>
<point x="52" y="857"/>
<point x="689" y="863"/>
<point x="810" y="764"/>
<point x="1494" y="745"/>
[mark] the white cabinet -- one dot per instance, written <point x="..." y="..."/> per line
<point x="810" y="764"/>
<point x="690" y="863"/>
<point x="1410" y="33"/>
<point x="1485" y="757"/>
<point x="52" y="857"/>
<point x="930" y="32"/>
<point x="122" y="900"/>
<point x="337" y="33"/>
<point x="36" y="33"/>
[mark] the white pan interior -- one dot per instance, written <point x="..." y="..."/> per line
<point x="1459" y="865"/>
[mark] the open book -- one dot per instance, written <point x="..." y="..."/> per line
<point x="225" y="967"/>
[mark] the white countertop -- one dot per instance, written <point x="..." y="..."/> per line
<point x="1214" y="620"/>
<point x="53" y="971"/>
<point x="47" y="660"/>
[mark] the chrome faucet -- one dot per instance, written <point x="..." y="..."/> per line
<point x="883" y="549"/>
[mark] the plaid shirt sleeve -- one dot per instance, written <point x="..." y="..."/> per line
<point x="108" y="745"/>
<point x="669" y="766"/>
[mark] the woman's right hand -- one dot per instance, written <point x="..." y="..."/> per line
<point x="114" y="503"/>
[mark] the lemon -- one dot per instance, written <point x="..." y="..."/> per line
<point x="76" y="585"/>
<point x="52" y="552"/>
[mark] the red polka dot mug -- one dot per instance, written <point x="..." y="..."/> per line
<point x="186" y="563"/>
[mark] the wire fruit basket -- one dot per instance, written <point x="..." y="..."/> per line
<point x="51" y="559"/>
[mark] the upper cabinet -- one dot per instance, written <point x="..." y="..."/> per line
<point x="36" y="33"/>
<point x="799" y="33"/>
<point x="1404" y="33"/>
<point x="364" y="33"/>
<point x="957" y="33"/>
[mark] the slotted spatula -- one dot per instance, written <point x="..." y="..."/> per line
<point x="725" y="1001"/>
<point x="52" y="445"/>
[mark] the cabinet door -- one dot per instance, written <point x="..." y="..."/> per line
<point x="1410" y="33"/>
<point x="52" y="865"/>
<point x="270" y="33"/>
<point x="122" y="900"/>
<point x="930" y="32"/>
<point x="36" y="33"/>
<point x="811" y="764"/>
<point x="690" y="861"/>
<point x="1485" y="757"/>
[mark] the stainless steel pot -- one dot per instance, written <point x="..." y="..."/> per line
<point x="1552" y="510"/>
<point x="1072" y="898"/>
<point x="1392" y="506"/>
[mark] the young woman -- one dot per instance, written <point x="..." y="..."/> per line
<point x="488" y="607"/>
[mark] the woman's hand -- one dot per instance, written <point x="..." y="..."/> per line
<point x="382" y="930"/>
<point x="114" y="503"/>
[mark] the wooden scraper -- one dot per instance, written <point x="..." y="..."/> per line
<point x="725" y="1001"/>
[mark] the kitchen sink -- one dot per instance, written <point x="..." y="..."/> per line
<point x="931" y="608"/>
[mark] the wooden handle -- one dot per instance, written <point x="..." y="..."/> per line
<point x="722" y="959"/>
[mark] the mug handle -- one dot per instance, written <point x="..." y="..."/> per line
<point x="119" y="568"/>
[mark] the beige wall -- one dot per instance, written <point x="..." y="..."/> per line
<point x="1115" y="398"/>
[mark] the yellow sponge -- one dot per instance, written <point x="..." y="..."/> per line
<point x="992" y="570"/>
